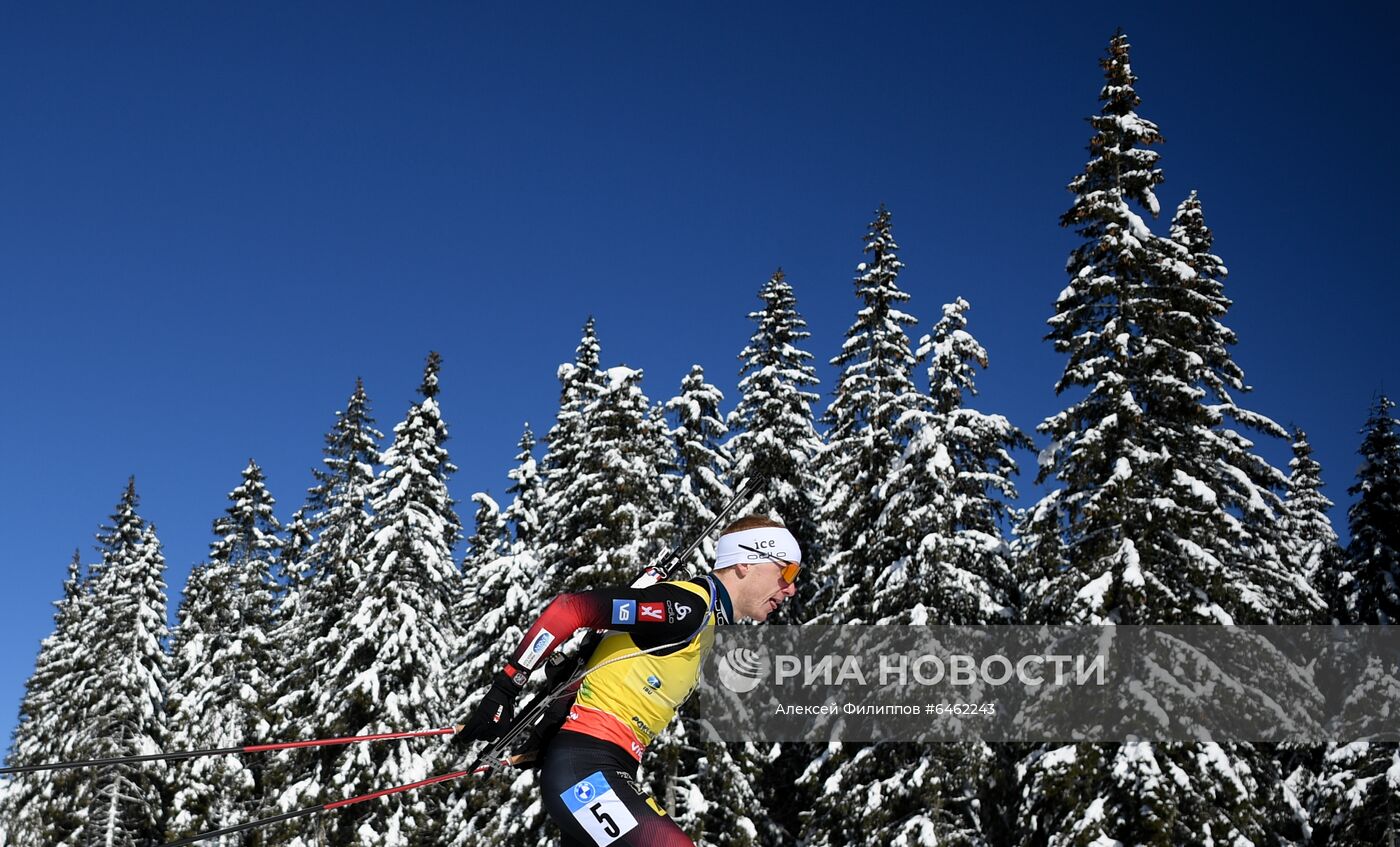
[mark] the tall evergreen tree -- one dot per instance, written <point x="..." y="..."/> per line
<point x="49" y="807"/>
<point x="132" y="677"/>
<point x="1314" y="550"/>
<point x="564" y="521"/>
<point x="1167" y="515"/>
<point x="337" y="519"/>
<point x="617" y="495"/>
<point x="396" y="647"/>
<point x="873" y="392"/>
<point x="1371" y="586"/>
<point x="774" y="437"/>
<point x="525" y="511"/>
<point x="897" y="508"/>
<point x="948" y="494"/>
<point x="775" y="440"/>
<point x="702" y="462"/>
<point x="119" y="714"/>
<point x="507" y="811"/>
<point x="1163" y="515"/>
<point x="1108" y="473"/>
<point x="1264" y="586"/>
<point x="224" y="662"/>
<point x="942" y="526"/>
<point x="494" y="607"/>
<point x="1359" y="782"/>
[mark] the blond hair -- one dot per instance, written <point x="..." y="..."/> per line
<point x="752" y="522"/>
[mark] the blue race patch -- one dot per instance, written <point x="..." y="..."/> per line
<point x="624" y="611"/>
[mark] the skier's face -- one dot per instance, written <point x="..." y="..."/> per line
<point x="766" y="590"/>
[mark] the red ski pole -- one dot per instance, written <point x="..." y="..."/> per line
<point x="324" y="807"/>
<point x="231" y="751"/>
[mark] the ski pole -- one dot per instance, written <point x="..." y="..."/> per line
<point x="311" y="810"/>
<point x="476" y="768"/>
<point x="231" y="751"/>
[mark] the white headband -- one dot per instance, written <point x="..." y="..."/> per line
<point x="769" y="541"/>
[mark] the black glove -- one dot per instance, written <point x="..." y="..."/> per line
<point x="493" y="714"/>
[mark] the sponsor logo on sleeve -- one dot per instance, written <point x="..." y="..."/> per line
<point x="651" y="611"/>
<point x="536" y="651"/>
<point x="677" y="611"/>
<point x="624" y="611"/>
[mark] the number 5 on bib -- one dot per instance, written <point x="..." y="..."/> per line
<point x="598" y="809"/>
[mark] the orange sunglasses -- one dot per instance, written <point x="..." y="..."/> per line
<point x="789" y="571"/>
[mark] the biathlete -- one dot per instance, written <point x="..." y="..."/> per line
<point x="636" y="679"/>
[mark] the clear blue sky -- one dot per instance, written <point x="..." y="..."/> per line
<point x="214" y="218"/>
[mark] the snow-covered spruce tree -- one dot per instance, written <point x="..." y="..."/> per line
<point x="510" y="592"/>
<point x="1147" y="522"/>
<point x="128" y="713"/>
<point x="48" y="807"/>
<point x="563" y="521"/>
<point x="224" y="665"/>
<point x="1166" y="514"/>
<point x="1371" y="583"/>
<point x="494" y="607"/>
<point x="1359" y="785"/>
<point x="946" y="503"/>
<point x="527" y="493"/>
<point x="1111" y="448"/>
<point x="1262" y="585"/>
<point x="617" y="496"/>
<point x="320" y="581"/>
<point x="774" y="437"/>
<point x="942" y="521"/>
<point x="1314" y="550"/>
<point x="873" y="392"/>
<point x="891" y="473"/>
<point x="702" y="464"/>
<point x="947" y="495"/>
<point x="978" y="443"/>
<point x="396" y="646"/>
